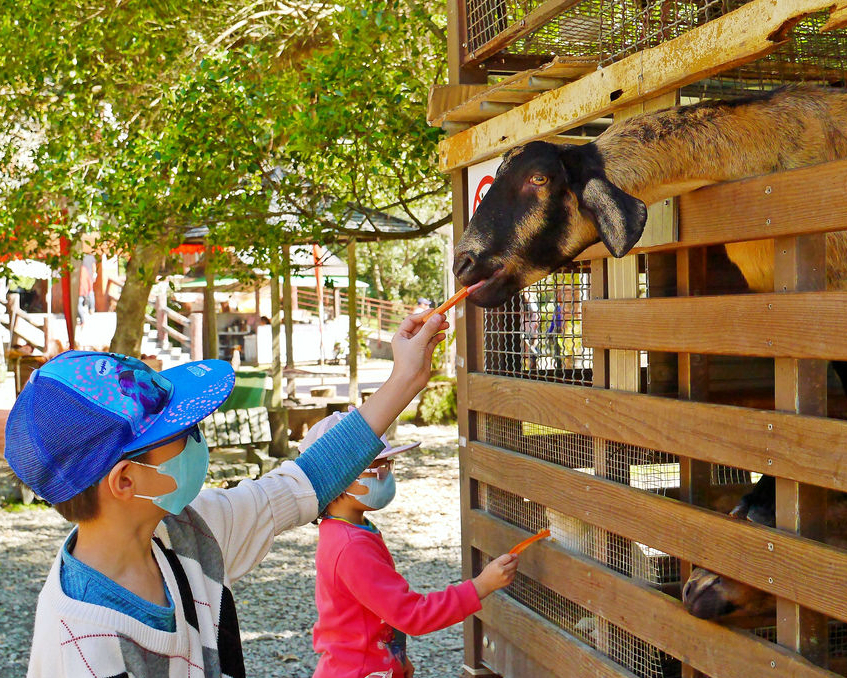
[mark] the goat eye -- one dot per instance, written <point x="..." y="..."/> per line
<point x="538" y="180"/>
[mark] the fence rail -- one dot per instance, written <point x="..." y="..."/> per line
<point x="377" y="313"/>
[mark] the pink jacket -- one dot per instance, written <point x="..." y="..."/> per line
<point x="360" y="597"/>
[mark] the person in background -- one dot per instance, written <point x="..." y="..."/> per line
<point x="365" y="607"/>
<point x="85" y="300"/>
<point x="423" y="304"/>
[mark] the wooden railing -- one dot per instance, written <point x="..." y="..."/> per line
<point x="33" y="329"/>
<point x="376" y="313"/>
<point x="172" y="325"/>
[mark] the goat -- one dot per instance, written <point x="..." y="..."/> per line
<point x="549" y="202"/>
<point x="710" y="596"/>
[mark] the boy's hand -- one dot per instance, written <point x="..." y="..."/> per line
<point x="498" y="574"/>
<point x="413" y="345"/>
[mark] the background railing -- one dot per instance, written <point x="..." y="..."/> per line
<point x="379" y="314"/>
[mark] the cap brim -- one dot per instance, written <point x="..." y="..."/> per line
<point x="200" y="388"/>
<point x="391" y="451"/>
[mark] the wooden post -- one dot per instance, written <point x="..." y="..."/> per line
<point x="353" y="328"/>
<point x="161" y="321"/>
<point x="210" y="319"/>
<point x="276" y="351"/>
<point x="336" y="302"/>
<point x="800" y="386"/>
<point x="195" y="333"/>
<point x="694" y="475"/>
<point x="379" y="326"/>
<point x="289" y="296"/>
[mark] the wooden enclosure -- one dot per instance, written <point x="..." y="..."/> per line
<point x="654" y="389"/>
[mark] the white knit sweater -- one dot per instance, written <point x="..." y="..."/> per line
<point x="213" y="542"/>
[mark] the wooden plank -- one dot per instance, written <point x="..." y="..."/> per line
<point x="789" y="566"/>
<point x="561" y="654"/>
<point x="463" y="103"/>
<point x="800" y="386"/>
<point x="504" y="658"/>
<point x="769" y="206"/>
<point x="796" y="325"/>
<point x="645" y="612"/>
<point x="539" y="16"/>
<point x="806" y="449"/>
<point x="745" y="34"/>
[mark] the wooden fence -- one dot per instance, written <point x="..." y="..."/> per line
<point x="379" y="314"/>
<point x="632" y="437"/>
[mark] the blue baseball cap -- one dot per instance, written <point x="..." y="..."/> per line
<point x="83" y="411"/>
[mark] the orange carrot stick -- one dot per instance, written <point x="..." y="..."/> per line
<point x="452" y="301"/>
<point x="543" y="534"/>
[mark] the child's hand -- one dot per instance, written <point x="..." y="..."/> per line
<point x="498" y="574"/>
<point x="413" y="345"/>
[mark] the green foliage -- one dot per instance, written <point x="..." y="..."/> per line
<point x="136" y="121"/>
<point x="438" y="403"/>
<point x="404" y="269"/>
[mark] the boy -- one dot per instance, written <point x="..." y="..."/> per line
<point x="141" y="587"/>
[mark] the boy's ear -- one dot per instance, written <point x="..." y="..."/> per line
<point x="119" y="482"/>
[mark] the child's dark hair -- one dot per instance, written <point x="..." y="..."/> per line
<point x="84" y="506"/>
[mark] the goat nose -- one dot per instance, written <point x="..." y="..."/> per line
<point x="463" y="263"/>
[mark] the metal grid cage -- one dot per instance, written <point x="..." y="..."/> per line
<point x="639" y="467"/>
<point x="610" y="30"/>
<point x="640" y="657"/>
<point x="574" y="32"/>
<point x="538" y="333"/>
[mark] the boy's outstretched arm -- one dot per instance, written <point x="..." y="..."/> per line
<point x="412" y="346"/>
<point x="342" y="453"/>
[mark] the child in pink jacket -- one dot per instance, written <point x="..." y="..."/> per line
<point x="365" y="607"/>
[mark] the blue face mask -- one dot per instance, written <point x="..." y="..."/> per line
<point x="380" y="490"/>
<point x="188" y="469"/>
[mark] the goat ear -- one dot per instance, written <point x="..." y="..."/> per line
<point x="620" y="218"/>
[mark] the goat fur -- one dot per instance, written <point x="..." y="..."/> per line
<point x="522" y="232"/>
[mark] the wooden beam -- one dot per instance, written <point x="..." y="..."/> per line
<point x="563" y="655"/>
<point x="539" y="16"/>
<point x="649" y="614"/>
<point x="745" y="34"/>
<point x="463" y="103"/>
<point x="789" y="566"/>
<point x="803" y="448"/>
<point x="771" y="206"/>
<point x="794" y="325"/>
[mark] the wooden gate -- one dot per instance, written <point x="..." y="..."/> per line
<point x="628" y="404"/>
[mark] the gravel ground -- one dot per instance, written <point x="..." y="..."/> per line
<point x="276" y="600"/>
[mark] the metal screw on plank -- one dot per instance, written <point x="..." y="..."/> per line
<point x="773" y="664"/>
<point x="770" y="546"/>
<point x="770" y="580"/>
<point x="485" y="641"/>
<point x="767" y="222"/>
<point x="770" y="462"/>
<point x="770" y="307"/>
<point x="767" y="190"/>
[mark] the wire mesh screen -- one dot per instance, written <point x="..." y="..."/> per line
<point x="611" y="30"/>
<point x="631" y="26"/>
<point x="538" y="333"/>
<point x="576" y="31"/>
<point x="631" y="652"/>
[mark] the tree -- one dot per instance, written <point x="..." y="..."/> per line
<point x="137" y="121"/>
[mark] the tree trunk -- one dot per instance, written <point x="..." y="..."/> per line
<point x="353" y="330"/>
<point x="141" y="271"/>
<point x="210" y="316"/>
